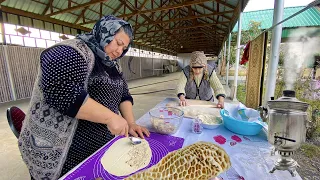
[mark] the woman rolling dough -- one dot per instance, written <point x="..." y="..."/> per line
<point x="197" y="79"/>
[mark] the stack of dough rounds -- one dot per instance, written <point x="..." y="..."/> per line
<point x="201" y="161"/>
<point x="124" y="158"/>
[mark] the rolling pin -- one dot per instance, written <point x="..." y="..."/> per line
<point x="206" y="105"/>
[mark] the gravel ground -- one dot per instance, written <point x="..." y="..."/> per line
<point x="309" y="162"/>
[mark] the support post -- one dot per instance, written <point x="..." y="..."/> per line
<point x="275" y="46"/>
<point x="235" y="81"/>
<point x="228" y="60"/>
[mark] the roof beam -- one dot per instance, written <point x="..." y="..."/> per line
<point x="140" y="8"/>
<point x="186" y="40"/>
<point x="183" y="38"/>
<point x="94" y="21"/>
<point x="76" y="7"/>
<point x="180" y="33"/>
<point x="187" y="18"/>
<point x="81" y="15"/>
<point x="187" y="27"/>
<point x="69" y="3"/>
<point x="49" y="5"/>
<point x="156" y="48"/>
<point x="175" y="6"/>
<point x="178" y="36"/>
<point x="225" y="4"/>
<point x="100" y="10"/>
<point x="43" y="18"/>
<point x="204" y="6"/>
<point x="117" y="9"/>
<point x="143" y="15"/>
<point x="38" y="1"/>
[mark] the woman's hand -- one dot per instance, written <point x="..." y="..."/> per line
<point x="97" y="113"/>
<point x="117" y="125"/>
<point x="136" y="130"/>
<point x="183" y="101"/>
<point x="220" y="102"/>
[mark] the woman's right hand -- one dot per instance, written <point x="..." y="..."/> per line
<point x="117" y="125"/>
<point x="183" y="101"/>
<point x="97" y="113"/>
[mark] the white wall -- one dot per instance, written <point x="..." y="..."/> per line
<point x="183" y="59"/>
<point x="212" y="63"/>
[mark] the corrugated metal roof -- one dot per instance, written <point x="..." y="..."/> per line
<point x="299" y="32"/>
<point x="27" y="5"/>
<point x="116" y="7"/>
<point x="310" y="17"/>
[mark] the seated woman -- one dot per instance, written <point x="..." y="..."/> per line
<point x="76" y="100"/>
<point x="197" y="79"/>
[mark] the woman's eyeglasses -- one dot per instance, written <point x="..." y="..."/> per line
<point x="197" y="67"/>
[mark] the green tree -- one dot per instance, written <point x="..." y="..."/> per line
<point x="246" y="36"/>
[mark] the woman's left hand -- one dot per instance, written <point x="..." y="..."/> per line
<point x="136" y="130"/>
<point x="221" y="102"/>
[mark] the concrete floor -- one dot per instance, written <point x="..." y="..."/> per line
<point x="11" y="164"/>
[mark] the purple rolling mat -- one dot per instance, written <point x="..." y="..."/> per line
<point x="92" y="168"/>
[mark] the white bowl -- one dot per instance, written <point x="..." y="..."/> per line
<point x="210" y="121"/>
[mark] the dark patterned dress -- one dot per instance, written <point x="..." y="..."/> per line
<point x="63" y="72"/>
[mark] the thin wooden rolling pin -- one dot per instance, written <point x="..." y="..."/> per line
<point x="207" y="105"/>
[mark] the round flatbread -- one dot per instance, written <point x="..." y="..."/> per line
<point x="124" y="158"/>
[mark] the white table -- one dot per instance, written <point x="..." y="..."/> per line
<point x="250" y="158"/>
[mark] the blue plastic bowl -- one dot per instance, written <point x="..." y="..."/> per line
<point x="239" y="126"/>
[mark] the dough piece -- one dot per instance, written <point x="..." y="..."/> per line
<point x="190" y="112"/>
<point x="201" y="161"/>
<point x="124" y="158"/>
<point x="172" y="104"/>
<point x="209" y="119"/>
<point x="163" y="127"/>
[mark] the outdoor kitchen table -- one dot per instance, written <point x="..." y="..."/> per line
<point x="250" y="155"/>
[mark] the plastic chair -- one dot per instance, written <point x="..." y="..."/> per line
<point x="15" y="118"/>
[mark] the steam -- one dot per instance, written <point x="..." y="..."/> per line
<point x="300" y="49"/>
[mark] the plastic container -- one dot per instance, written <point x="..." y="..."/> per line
<point x="166" y="120"/>
<point x="196" y="126"/>
<point x="239" y="126"/>
<point x="211" y="126"/>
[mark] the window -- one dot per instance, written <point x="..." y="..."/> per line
<point x="71" y="37"/>
<point x="45" y="34"/>
<point x="34" y="33"/>
<point x="41" y="43"/>
<point x="55" y="36"/>
<point x="29" y="42"/>
<point x="22" y="32"/>
<point x="8" y="39"/>
<point x="18" y="40"/>
<point x="50" y="43"/>
<point x="10" y="29"/>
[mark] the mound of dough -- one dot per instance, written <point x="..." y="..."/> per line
<point x="124" y="158"/>
<point x="201" y="161"/>
<point x="209" y="119"/>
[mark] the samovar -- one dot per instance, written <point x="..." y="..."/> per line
<point x="287" y="119"/>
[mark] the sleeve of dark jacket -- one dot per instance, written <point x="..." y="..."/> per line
<point x="64" y="72"/>
<point x="126" y="96"/>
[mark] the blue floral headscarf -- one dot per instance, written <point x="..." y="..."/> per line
<point x="102" y="34"/>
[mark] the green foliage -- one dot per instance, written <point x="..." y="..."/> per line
<point x="301" y="87"/>
<point x="310" y="150"/>
<point x="241" y="93"/>
<point x="246" y="36"/>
